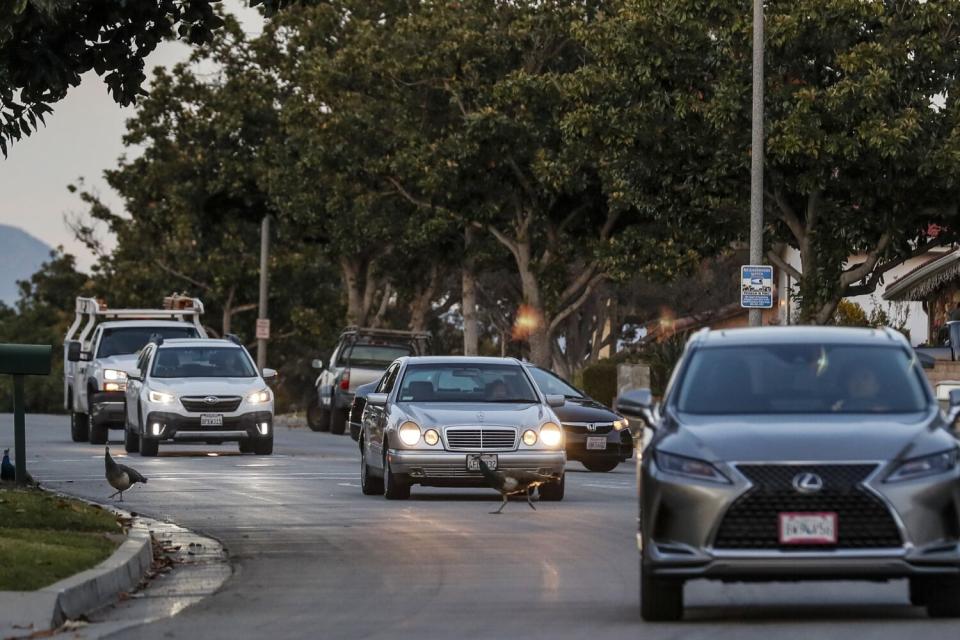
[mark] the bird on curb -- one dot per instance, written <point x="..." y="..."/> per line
<point x="513" y="482"/>
<point x="8" y="472"/>
<point x="120" y="476"/>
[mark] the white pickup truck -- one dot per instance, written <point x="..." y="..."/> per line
<point x="100" y="351"/>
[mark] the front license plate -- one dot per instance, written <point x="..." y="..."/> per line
<point x="211" y="420"/>
<point x="473" y="461"/>
<point x="808" y="528"/>
<point x="596" y="443"/>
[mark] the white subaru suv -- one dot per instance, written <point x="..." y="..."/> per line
<point x="198" y="390"/>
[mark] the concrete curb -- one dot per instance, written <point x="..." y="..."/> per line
<point x="26" y="612"/>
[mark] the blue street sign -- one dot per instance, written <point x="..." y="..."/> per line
<point x="756" y="286"/>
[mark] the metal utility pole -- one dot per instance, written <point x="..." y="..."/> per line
<point x="262" y="316"/>
<point x="756" y="152"/>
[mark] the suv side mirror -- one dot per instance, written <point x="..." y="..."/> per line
<point x="269" y="374"/>
<point x="556" y="400"/>
<point x="636" y="404"/>
<point x="318" y="365"/>
<point x="73" y="351"/>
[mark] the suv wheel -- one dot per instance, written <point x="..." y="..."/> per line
<point x="942" y="597"/>
<point x="263" y="446"/>
<point x="395" y="487"/>
<point x="98" y="432"/>
<point x="369" y="484"/>
<point x="314" y="417"/>
<point x="338" y="421"/>
<point x="660" y="600"/>
<point x="149" y="447"/>
<point x="131" y="440"/>
<point x="601" y="466"/>
<point x="553" y="491"/>
<point x="79" y="426"/>
<point x="246" y="446"/>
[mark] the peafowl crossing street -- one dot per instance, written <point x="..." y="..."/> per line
<point x="313" y="558"/>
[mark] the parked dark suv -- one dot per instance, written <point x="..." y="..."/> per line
<point x="798" y="453"/>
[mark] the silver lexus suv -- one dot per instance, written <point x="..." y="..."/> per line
<point x="798" y="453"/>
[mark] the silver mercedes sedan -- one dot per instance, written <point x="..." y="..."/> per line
<point x="432" y="420"/>
<point x="798" y="453"/>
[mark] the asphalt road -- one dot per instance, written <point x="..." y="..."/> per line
<point x="314" y="558"/>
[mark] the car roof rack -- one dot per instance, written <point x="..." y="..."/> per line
<point x="368" y="331"/>
<point x="90" y="310"/>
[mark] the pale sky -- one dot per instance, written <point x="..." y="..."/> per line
<point x="82" y="138"/>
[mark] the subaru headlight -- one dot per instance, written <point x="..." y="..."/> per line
<point x="114" y="375"/>
<point x="551" y="435"/>
<point x="689" y="467"/>
<point x="259" y="397"/>
<point x="409" y="433"/>
<point x="926" y="466"/>
<point x="161" y="397"/>
<point x="621" y="424"/>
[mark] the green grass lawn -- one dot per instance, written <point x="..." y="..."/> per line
<point x="45" y="538"/>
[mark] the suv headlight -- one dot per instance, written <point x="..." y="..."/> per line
<point x="926" y="466"/>
<point x="409" y="433"/>
<point x="689" y="467"/>
<point x="161" y="397"/>
<point x="550" y="434"/>
<point x="259" y="397"/>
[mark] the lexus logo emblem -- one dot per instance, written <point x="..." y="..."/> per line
<point x="807" y="482"/>
<point x="591" y="427"/>
<point x="211" y="399"/>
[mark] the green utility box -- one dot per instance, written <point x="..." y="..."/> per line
<point x="21" y="360"/>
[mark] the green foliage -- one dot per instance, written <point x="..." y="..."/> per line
<point x="600" y="381"/>
<point x="661" y="356"/>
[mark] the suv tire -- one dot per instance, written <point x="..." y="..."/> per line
<point x="314" y="417"/>
<point x="942" y="597"/>
<point x="553" y="491"/>
<point x="370" y="485"/>
<point x="263" y="446"/>
<point x="660" y="600"/>
<point x="395" y="487"/>
<point x="131" y="440"/>
<point x="338" y="421"/>
<point x="600" y="466"/>
<point x="149" y="447"/>
<point x="246" y="446"/>
<point x="99" y="433"/>
<point x="79" y="427"/>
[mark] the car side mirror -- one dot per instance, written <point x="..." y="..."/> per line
<point x="318" y="365"/>
<point x="636" y="404"/>
<point x="73" y="351"/>
<point x="269" y="375"/>
<point x="377" y="399"/>
<point x="556" y="400"/>
<point x="136" y="375"/>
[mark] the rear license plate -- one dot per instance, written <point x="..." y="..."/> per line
<point x="596" y="443"/>
<point x="808" y="528"/>
<point x="473" y="461"/>
<point x="211" y="420"/>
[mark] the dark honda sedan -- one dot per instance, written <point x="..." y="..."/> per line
<point x="596" y="436"/>
<point x="798" y="453"/>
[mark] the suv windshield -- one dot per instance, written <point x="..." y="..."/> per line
<point x="203" y="362"/>
<point x="379" y="355"/>
<point x="552" y="384"/>
<point x="119" y="341"/>
<point x="466" y="383"/>
<point x="801" y="378"/>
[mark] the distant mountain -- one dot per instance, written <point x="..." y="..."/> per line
<point x="20" y="256"/>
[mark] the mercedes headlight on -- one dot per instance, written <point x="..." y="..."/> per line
<point x="926" y="466"/>
<point x="161" y="397"/>
<point x="529" y="437"/>
<point x="409" y="433"/>
<point x="431" y="437"/>
<point x="259" y="397"/>
<point x="551" y="435"/>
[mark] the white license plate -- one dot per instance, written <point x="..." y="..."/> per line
<point x="211" y="420"/>
<point x="808" y="528"/>
<point x="596" y="443"/>
<point x="473" y="461"/>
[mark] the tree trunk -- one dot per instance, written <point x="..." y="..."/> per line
<point x="535" y="326"/>
<point x="423" y="301"/>
<point x="227" y="321"/>
<point x="471" y="333"/>
<point x="355" y="274"/>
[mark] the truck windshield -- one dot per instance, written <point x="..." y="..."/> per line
<point x="120" y="341"/>
<point x="466" y="383"/>
<point x="203" y="362"/>
<point x="801" y="378"/>
<point x="376" y="355"/>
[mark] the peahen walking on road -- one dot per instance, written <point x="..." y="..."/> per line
<point x="513" y="482"/>
<point x="120" y="476"/>
<point x="8" y="472"/>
